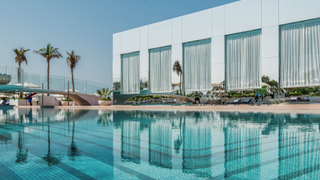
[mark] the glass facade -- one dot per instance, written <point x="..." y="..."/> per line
<point x="130" y="73"/>
<point x="300" y="54"/>
<point x="243" y="61"/>
<point x="197" y="66"/>
<point x="160" y="70"/>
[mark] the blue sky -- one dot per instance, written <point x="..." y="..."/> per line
<point x="85" y="26"/>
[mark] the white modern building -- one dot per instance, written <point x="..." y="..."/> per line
<point x="236" y="43"/>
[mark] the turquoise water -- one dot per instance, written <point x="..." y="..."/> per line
<point x="95" y="144"/>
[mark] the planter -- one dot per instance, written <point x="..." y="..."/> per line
<point x="105" y="103"/>
<point x="19" y="102"/>
<point x="48" y="101"/>
<point x="5" y="79"/>
<point x="65" y="103"/>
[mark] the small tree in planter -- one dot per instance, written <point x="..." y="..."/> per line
<point x="104" y="94"/>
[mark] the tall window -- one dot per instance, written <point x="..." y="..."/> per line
<point x="130" y="73"/>
<point x="160" y="70"/>
<point x="300" y="54"/>
<point x="197" y="66"/>
<point x="243" y="61"/>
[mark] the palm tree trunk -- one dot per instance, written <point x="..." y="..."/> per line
<point x="19" y="70"/>
<point x="19" y="79"/>
<point x="72" y="80"/>
<point x="180" y="85"/>
<point x="48" y="73"/>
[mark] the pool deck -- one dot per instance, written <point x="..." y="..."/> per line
<point x="281" y="108"/>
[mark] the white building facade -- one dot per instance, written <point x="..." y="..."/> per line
<point x="236" y="43"/>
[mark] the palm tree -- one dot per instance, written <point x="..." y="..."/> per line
<point x="72" y="61"/>
<point x="49" y="53"/>
<point x="177" y="68"/>
<point x="104" y="92"/>
<point x="20" y="58"/>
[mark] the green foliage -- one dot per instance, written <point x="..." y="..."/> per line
<point x="265" y="79"/>
<point x="273" y="84"/>
<point x="105" y="99"/>
<point x="304" y="91"/>
<point x="194" y="95"/>
<point x="66" y="99"/>
<point x="104" y="92"/>
<point x="240" y="94"/>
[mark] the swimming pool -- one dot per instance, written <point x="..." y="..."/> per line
<point x="95" y="144"/>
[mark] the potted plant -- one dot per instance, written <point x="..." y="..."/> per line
<point x="65" y="101"/>
<point x="105" y="99"/>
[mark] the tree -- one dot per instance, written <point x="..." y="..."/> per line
<point x="177" y="68"/>
<point x="20" y="58"/>
<point x="104" y="92"/>
<point x="265" y="79"/>
<point x="49" y="53"/>
<point x="72" y="61"/>
<point x="273" y="83"/>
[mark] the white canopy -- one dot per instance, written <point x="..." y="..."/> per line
<point x="29" y="85"/>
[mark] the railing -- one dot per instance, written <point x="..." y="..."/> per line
<point x="60" y="83"/>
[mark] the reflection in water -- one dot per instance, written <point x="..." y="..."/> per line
<point x="242" y="152"/>
<point x="196" y="152"/>
<point x="22" y="155"/>
<point x="73" y="151"/>
<point x="130" y="141"/>
<point x="298" y="148"/>
<point x="50" y="158"/>
<point x="160" y="144"/>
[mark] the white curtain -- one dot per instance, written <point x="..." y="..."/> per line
<point x="130" y="73"/>
<point x="160" y="70"/>
<point x="243" y="61"/>
<point x="197" y="66"/>
<point x="300" y="54"/>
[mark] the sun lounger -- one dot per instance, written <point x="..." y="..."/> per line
<point x="246" y="101"/>
<point x="306" y="99"/>
<point x="294" y="99"/>
<point x="237" y="101"/>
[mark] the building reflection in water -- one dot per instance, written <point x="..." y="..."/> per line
<point x="242" y="152"/>
<point x="130" y="141"/>
<point x="160" y="143"/>
<point x="240" y="144"/>
<point x="196" y="151"/>
<point x="298" y="147"/>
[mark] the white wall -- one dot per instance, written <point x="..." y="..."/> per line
<point x="215" y="23"/>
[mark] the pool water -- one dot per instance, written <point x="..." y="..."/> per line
<point x="95" y="144"/>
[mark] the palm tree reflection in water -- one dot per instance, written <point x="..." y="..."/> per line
<point x="22" y="155"/>
<point x="73" y="151"/>
<point x="50" y="158"/>
<point x="178" y="142"/>
<point x="104" y="119"/>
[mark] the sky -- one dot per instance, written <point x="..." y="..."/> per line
<point x="85" y="26"/>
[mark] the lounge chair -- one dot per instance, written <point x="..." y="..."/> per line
<point x="294" y="99"/>
<point x="246" y="101"/>
<point x="237" y="101"/>
<point x="172" y="101"/>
